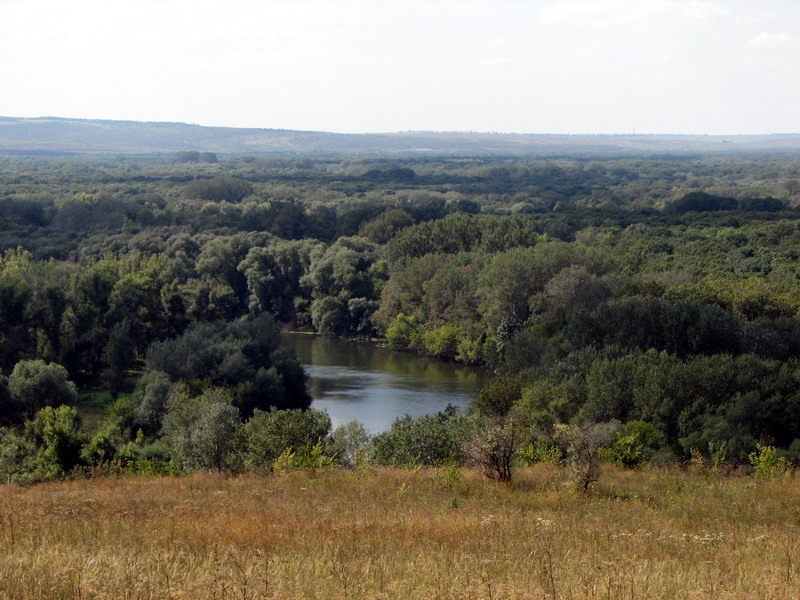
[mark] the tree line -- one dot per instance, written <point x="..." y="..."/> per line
<point x="661" y="292"/>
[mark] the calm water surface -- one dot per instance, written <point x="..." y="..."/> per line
<point x="373" y="385"/>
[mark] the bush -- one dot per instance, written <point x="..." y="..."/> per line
<point x="636" y="443"/>
<point x="267" y="435"/>
<point x="349" y="444"/>
<point x="17" y="457"/>
<point x="100" y="449"/>
<point x="625" y="451"/>
<point x="767" y="464"/>
<point x="204" y="432"/>
<point x="493" y="446"/>
<point x="307" y="456"/>
<point x="429" y="440"/>
<point x="583" y="444"/>
<point x="55" y="433"/>
<point x="540" y="451"/>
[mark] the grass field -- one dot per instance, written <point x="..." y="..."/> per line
<point x="403" y="534"/>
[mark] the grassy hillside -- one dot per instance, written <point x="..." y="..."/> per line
<point x="402" y="534"/>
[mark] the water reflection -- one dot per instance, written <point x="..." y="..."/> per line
<point x="363" y="382"/>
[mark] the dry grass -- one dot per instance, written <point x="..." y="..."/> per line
<point x="402" y="534"/>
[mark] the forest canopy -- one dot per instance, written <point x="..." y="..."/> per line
<point x="661" y="290"/>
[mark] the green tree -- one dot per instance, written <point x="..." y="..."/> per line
<point x="120" y="356"/>
<point x="55" y="433"/>
<point x="349" y="444"/>
<point x="35" y="384"/>
<point x="11" y="409"/>
<point x="218" y="189"/>
<point x="150" y="401"/>
<point x="403" y="332"/>
<point x="273" y="276"/>
<point x="498" y="397"/>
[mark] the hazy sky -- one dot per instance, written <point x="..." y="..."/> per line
<point x="549" y="66"/>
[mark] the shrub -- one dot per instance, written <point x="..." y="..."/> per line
<point x="583" y="443"/>
<point x="100" y="449"/>
<point x="429" y="440"/>
<point x="204" y="432"/>
<point x="267" y="435"/>
<point x="767" y="464"/>
<point x="539" y="451"/>
<point x="349" y="444"/>
<point x="54" y="431"/>
<point x="493" y="447"/>
<point x="17" y="457"/>
<point x="307" y="456"/>
<point x="626" y="451"/>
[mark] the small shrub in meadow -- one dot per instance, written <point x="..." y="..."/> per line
<point x="767" y="464"/>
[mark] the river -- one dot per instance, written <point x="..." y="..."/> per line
<point x="359" y="381"/>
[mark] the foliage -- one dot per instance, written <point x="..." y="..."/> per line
<point x="150" y="401"/>
<point x="268" y="434"/>
<point x="244" y="355"/>
<point x="55" y="434"/>
<point x="428" y="440"/>
<point x="498" y="396"/>
<point x="218" y="189"/>
<point x="539" y="451"/>
<point x="17" y="457"/>
<point x="403" y="332"/>
<point x="659" y="290"/>
<point x="349" y="444"/>
<point x="35" y="384"/>
<point x="306" y="456"/>
<point x="204" y="432"/>
<point x="767" y="463"/>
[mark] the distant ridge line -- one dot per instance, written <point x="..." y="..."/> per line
<point x="58" y="135"/>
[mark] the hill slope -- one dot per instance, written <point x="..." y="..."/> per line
<point x="50" y="135"/>
<point x="401" y="534"/>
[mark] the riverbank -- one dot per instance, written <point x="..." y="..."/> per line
<point x="404" y="534"/>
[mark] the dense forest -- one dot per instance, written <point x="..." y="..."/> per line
<point x="658" y="295"/>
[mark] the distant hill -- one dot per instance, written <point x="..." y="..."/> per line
<point x="57" y="136"/>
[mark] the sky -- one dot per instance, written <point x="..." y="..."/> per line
<point x="357" y="66"/>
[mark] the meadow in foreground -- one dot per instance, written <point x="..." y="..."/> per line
<point x="431" y="533"/>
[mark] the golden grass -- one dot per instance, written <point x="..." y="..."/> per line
<point x="386" y="534"/>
